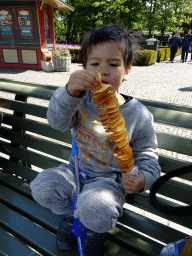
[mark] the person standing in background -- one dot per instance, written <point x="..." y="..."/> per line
<point x="185" y="45"/>
<point x="174" y="43"/>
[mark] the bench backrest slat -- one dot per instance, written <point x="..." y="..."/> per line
<point x="175" y="143"/>
<point x="24" y="107"/>
<point x="37" y="127"/>
<point x="172" y="117"/>
<point x="45" y="146"/>
<point x="169" y="163"/>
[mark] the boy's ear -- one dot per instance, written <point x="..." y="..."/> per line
<point x="127" y="70"/>
<point x="126" y="73"/>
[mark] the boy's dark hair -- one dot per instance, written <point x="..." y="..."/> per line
<point x="105" y="33"/>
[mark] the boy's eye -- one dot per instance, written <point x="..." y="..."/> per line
<point x="95" y="64"/>
<point x="114" y="65"/>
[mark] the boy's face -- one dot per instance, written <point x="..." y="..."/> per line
<point x="106" y="58"/>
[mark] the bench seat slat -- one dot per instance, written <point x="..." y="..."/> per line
<point x="150" y="227"/>
<point x="29" y="209"/>
<point x="134" y="242"/>
<point x="143" y="202"/>
<point x="30" y="233"/>
<point x="36" y="127"/>
<point x="14" y="183"/>
<point x="171" y="188"/>
<point x="18" y="169"/>
<point x="10" y="246"/>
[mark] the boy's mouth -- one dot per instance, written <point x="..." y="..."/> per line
<point x="104" y="82"/>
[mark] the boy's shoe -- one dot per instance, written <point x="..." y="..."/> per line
<point x="65" y="239"/>
<point x="94" y="244"/>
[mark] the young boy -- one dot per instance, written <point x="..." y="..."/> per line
<point x="107" y="50"/>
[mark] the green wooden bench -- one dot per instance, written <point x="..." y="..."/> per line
<point x="27" y="142"/>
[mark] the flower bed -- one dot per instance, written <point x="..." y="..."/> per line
<point x="66" y="50"/>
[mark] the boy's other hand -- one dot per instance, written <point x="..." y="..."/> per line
<point x="133" y="183"/>
<point x="80" y="81"/>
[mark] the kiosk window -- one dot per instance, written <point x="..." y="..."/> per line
<point x="46" y="18"/>
<point x="6" y="23"/>
<point x="25" y="23"/>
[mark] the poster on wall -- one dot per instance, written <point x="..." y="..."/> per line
<point x="46" y="18"/>
<point x="6" y="24"/>
<point x="25" y="23"/>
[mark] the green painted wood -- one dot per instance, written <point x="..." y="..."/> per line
<point x="16" y="184"/>
<point x="169" y="163"/>
<point x="164" y="105"/>
<point x="23" y="107"/>
<point x="136" y="243"/>
<point x="171" y="117"/>
<point x="29" y="208"/>
<point x="30" y="233"/>
<point x="177" y="190"/>
<point x="36" y="127"/>
<point x="18" y="169"/>
<point x="45" y="146"/>
<point x="10" y="246"/>
<point x="14" y="82"/>
<point x="150" y="227"/>
<point x="142" y="201"/>
<point x="33" y="158"/>
<point x="174" y="143"/>
<point x="27" y="91"/>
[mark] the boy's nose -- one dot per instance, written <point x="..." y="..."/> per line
<point x="104" y="70"/>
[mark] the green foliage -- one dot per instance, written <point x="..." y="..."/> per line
<point x="167" y="52"/>
<point x="161" y="55"/>
<point x="75" y="55"/>
<point x="145" y="58"/>
<point x="150" y="15"/>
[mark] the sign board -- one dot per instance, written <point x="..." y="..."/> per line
<point x="25" y="23"/>
<point x="150" y="43"/>
<point x="6" y="23"/>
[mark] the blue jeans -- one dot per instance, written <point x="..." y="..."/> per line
<point x="174" y="249"/>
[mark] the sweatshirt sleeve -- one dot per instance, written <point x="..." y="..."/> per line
<point x="62" y="110"/>
<point x="145" y="148"/>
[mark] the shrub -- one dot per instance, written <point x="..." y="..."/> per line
<point x="145" y="58"/>
<point x="161" y="55"/>
<point x="167" y="52"/>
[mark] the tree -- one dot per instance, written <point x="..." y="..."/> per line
<point x="151" y="15"/>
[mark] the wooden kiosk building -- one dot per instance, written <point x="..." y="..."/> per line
<point x="27" y="32"/>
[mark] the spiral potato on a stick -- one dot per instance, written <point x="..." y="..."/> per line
<point x="114" y="124"/>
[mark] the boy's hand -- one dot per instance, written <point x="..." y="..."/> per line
<point x="80" y="81"/>
<point x="133" y="183"/>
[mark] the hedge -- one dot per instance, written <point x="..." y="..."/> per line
<point x="165" y="51"/>
<point x="142" y="58"/>
<point x="145" y="58"/>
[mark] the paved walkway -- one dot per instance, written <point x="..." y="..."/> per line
<point x="165" y="81"/>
